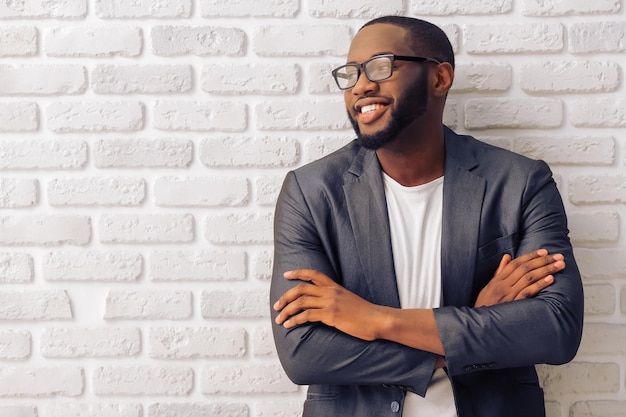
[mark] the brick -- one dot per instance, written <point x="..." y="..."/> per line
<point x="320" y="146"/>
<point x="18" y="41"/>
<point x="553" y="409"/>
<point x="42" y="79"/>
<point x="148" y="305"/>
<point x="568" y="150"/>
<point x="241" y="152"/>
<point x="59" y="9"/>
<point x="141" y="79"/>
<point x="513" y="38"/>
<point x="149" y="228"/>
<point x="93" y="42"/>
<point x="601" y="264"/>
<point x="43" y="154"/>
<point x="200" y="265"/>
<point x="106" y="342"/>
<point x="15" y="267"/>
<point x="359" y="9"/>
<point x="279" y="408"/>
<point x="201" y="191"/>
<point x="267" y="189"/>
<point x="226" y="116"/>
<point x="194" y="343"/>
<point x="320" y="78"/>
<point x="569" y="77"/>
<point x="590" y="189"/>
<point x="598" y="112"/>
<point x="121" y="9"/>
<point x="143" y="380"/>
<point x="19" y="117"/>
<point x="96" y="191"/>
<point x="605" y="408"/>
<point x="481" y="77"/>
<point x="263" y="342"/>
<point x="568" y="7"/>
<point x="250" y="79"/>
<point x="603" y="339"/>
<point x="296" y="40"/>
<point x="596" y="37"/>
<point x="18" y="192"/>
<point x="60" y="409"/>
<point x="14" y="344"/>
<point x="240" y="228"/>
<point x="490" y="113"/>
<point x="451" y="114"/>
<point x="579" y="378"/>
<point x="594" y="227"/>
<point x="234" y="304"/>
<point x="453" y="32"/>
<point x="599" y="299"/>
<point x="66" y="117"/>
<point x="248" y="8"/>
<point x="251" y="379"/>
<point x="302" y="115"/>
<point x="199" y="41"/>
<point x="18" y="411"/>
<point x="115" y="266"/>
<point x="35" y="305"/>
<point x="30" y="381"/>
<point x="45" y="230"/>
<point x="262" y="263"/>
<point x="197" y="409"/>
<point x="142" y="153"/>
<point x="461" y="7"/>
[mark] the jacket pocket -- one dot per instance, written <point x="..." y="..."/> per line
<point x="498" y="248"/>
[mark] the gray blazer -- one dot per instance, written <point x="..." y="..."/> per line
<point x="331" y="216"/>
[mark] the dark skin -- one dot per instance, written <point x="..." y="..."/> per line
<point x="415" y="156"/>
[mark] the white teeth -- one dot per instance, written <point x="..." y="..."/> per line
<point x="370" y="107"/>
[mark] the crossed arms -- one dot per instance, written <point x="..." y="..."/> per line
<point x="327" y="333"/>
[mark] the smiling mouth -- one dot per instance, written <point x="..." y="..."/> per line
<point x="370" y="112"/>
<point x="370" y="108"/>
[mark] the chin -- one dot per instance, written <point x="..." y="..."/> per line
<point x="375" y="139"/>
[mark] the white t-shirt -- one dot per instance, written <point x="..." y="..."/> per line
<point x="415" y="217"/>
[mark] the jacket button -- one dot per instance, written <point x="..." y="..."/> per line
<point x="395" y="406"/>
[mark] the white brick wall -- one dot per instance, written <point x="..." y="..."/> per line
<point x="142" y="147"/>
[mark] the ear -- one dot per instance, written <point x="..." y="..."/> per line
<point x="444" y="76"/>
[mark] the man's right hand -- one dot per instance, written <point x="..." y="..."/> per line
<point x="522" y="277"/>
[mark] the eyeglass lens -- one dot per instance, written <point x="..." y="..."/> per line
<point x="376" y="69"/>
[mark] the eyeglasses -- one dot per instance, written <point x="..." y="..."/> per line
<point x="377" y="68"/>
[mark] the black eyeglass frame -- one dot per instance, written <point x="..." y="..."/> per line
<point x="392" y="57"/>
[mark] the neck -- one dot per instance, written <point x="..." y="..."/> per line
<point x="414" y="159"/>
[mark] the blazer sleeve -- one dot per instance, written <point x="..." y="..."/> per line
<point x="314" y="353"/>
<point x="544" y="329"/>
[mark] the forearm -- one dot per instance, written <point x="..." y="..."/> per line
<point x="415" y="328"/>
<point x="318" y="354"/>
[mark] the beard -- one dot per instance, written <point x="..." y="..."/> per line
<point x="410" y="105"/>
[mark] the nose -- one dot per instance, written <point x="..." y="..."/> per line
<point x="363" y="85"/>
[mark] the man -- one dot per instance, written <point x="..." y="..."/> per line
<point x="418" y="272"/>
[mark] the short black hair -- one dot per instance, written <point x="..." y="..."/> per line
<point x="426" y="37"/>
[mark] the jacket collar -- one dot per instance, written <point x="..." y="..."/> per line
<point x="462" y="201"/>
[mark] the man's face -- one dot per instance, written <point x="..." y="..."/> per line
<point x="379" y="111"/>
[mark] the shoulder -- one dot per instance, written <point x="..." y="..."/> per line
<point x="330" y="168"/>
<point x="490" y="159"/>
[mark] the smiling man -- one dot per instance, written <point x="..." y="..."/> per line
<point x="418" y="272"/>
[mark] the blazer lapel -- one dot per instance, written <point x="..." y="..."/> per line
<point x="367" y="208"/>
<point x="463" y="194"/>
